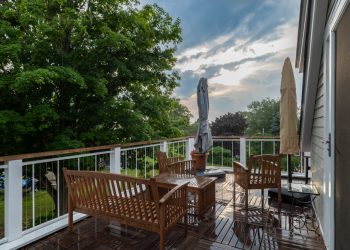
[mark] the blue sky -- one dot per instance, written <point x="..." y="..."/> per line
<point x="239" y="45"/>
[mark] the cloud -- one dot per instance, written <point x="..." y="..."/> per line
<point x="261" y="81"/>
<point x="238" y="45"/>
<point x="223" y="99"/>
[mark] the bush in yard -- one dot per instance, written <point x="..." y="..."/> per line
<point x="219" y="156"/>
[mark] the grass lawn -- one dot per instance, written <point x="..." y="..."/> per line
<point x="140" y="173"/>
<point x="44" y="209"/>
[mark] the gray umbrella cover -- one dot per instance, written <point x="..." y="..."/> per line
<point x="203" y="139"/>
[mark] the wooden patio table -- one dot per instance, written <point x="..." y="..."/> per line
<point x="201" y="190"/>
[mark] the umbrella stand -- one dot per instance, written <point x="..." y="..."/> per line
<point x="289" y="168"/>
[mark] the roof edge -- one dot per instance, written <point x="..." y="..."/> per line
<point x="302" y="35"/>
<point x="314" y="49"/>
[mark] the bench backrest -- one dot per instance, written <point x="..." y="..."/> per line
<point x="264" y="169"/>
<point x="113" y="194"/>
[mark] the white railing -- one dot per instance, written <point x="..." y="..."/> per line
<point x="33" y="197"/>
<point x="224" y="151"/>
<point x="139" y="161"/>
<point x="228" y="149"/>
<point x="177" y="148"/>
<point x="43" y="190"/>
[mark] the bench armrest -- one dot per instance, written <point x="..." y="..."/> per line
<point x="173" y="192"/>
<point x="173" y="205"/>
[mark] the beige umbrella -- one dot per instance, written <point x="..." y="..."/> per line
<point x="288" y="114"/>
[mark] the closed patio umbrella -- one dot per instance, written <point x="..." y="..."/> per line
<point x="288" y="115"/>
<point x="203" y="138"/>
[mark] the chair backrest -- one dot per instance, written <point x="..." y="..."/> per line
<point x="264" y="169"/>
<point x="184" y="168"/>
<point x="164" y="161"/>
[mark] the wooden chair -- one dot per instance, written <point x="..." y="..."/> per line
<point x="264" y="171"/>
<point x="168" y="164"/>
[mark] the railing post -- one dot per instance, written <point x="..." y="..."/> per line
<point x="242" y="150"/>
<point x="115" y="168"/>
<point x="13" y="200"/>
<point x="189" y="148"/>
<point x="115" y="161"/>
<point x="164" y="147"/>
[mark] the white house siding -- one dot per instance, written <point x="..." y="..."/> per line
<point x="317" y="153"/>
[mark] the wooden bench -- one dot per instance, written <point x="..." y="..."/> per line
<point x="131" y="201"/>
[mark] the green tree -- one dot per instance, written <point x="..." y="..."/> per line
<point x="191" y="130"/>
<point x="275" y="125"/>
<point x="261" y="116"/>
<point x="79" y="73"/>
<point x="229" y="124"/>
<point x="177" y="120"/>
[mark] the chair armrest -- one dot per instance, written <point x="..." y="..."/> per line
<point x="241" y="174"/>
<point x="239" y="167"/>
<point x="173" y="205"/>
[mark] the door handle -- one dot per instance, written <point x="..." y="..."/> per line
<point x="328" y="142"/>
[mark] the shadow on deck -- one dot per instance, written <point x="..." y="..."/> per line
<point x="228" y="227"/>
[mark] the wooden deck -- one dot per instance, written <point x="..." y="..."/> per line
<point x="228" y="227"/>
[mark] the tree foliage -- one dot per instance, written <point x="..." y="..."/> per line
<point x="78" y="73"/>
<point x="262" y="117"/>
<point x="275" y="125"/>
<point x="229" y="124"/>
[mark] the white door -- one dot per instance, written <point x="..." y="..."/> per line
<point x="335" y="47"/>
<point x="328" y="177"/>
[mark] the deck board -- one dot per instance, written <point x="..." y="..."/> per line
<point x="228" y="227"/>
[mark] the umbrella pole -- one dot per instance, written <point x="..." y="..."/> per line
<point x="289" y="168"/>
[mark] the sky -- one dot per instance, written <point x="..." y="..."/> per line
<point x="239" y="45"/>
